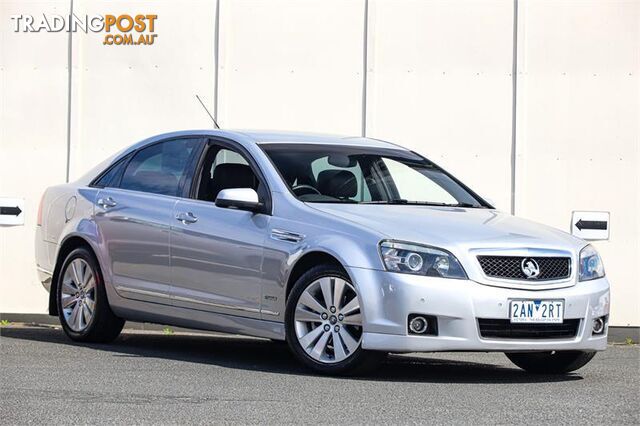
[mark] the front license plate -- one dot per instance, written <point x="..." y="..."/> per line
<point x="537" y="311"/>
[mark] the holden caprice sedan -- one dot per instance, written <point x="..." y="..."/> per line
<point x="345" y="248"/>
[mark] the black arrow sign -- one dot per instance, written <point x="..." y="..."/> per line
<point x="10" y="211"/>
<point x="591" y="224"/>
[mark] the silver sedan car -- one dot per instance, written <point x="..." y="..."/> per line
<point x="345" y="248"/>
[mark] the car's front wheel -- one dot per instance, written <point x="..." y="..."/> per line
<point x="324" y="323"/>
<point x="83" y="308"/>
<point x="555" y="362"/>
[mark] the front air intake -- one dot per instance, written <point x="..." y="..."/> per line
<point x="504" y="329"/>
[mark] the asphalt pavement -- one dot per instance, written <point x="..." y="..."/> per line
<point x="153" y="378"/>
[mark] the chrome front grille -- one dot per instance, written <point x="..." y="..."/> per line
<point x="510" y="267"/>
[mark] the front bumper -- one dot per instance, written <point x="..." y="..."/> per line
<point x="389" y="298"/>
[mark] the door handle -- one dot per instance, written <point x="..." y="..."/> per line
<point x="105" y="203"/>
<point x="186" y="218"/>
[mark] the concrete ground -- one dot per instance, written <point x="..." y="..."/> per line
<point x="153" y="378"/>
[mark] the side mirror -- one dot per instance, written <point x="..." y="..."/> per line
<point x="239" y="198"/>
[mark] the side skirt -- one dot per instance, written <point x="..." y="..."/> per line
<point x="134" y="310"/>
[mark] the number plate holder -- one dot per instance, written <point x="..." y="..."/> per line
<point x="536" y="311"/>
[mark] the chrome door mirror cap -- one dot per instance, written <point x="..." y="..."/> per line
<point x="240" y="198"/>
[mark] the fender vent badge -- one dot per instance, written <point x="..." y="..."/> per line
<point x="288" y="236"/>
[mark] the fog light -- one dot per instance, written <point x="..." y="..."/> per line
<point x="598" y="325"/>
<point x="418" y="325"/>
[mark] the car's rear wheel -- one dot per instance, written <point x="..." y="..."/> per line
<point x="324" y="323"/>
<point x="555" y="362"/>
<point x="83" y="308"/>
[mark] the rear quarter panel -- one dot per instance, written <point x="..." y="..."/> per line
<point x="67" y="210"/>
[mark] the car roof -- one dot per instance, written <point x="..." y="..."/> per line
<point x="262" y="137"/>
<point x="272" y="137"/>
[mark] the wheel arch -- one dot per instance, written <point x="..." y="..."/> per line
<point x="69" y="244"/>
<point x="309" y="260"/>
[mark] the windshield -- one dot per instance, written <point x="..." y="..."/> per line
<point x="364" y="175"/>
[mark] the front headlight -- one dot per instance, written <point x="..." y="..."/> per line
<point x="591" y="266"/>
<point x="420" y="260"/>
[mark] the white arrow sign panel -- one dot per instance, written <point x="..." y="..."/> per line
<point x="590" y="225"/>
<point x="11" y="211"/>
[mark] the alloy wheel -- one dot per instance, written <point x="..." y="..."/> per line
<point x="78" y="295"/>
<point x="328" y="320"/>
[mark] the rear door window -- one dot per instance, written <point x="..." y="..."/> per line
<point x="161" y="168"/>
<point x="112" y="176"/>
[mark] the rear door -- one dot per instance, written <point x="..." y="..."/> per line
<point x="133" y="214"/>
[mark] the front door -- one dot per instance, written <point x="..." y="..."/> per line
<point x="216" y="253"/>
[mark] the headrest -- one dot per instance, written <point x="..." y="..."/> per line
<point x="231" y="175"/>
<point x="337" y="183"/>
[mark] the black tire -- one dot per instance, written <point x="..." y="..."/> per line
<point x="557" y="362"/>
<point x="104" y="326"/>
<point x="359" y="362"/>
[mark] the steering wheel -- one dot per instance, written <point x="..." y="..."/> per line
<point x="305" y="190"/>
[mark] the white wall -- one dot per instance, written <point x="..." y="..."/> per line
<point x="292" y="65"/>
<point x="438" y="80"/>
<point x="122" y="94"/>
<point x="33" y="123"/>
<point x="579" y="127"/>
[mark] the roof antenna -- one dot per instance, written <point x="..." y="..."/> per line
<point x="215" y="123"/>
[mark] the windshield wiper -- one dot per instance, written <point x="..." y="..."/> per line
<point x="469" y="205"/>
<point x="333" y="201"/>
<point x="395" y="201"/>
<point x="400" y="201"/>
